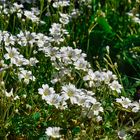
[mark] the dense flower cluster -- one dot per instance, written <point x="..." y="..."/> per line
<point x="19" y="10"/>
<point x="69" y="82"/>
<point x="64" y="59"/>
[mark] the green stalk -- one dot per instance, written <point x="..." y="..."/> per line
<point x="14" y="20"/>
<point x="92" y="26"/>
<point x="41" y="8"/>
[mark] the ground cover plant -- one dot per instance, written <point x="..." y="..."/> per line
<point x="69" y="70"/>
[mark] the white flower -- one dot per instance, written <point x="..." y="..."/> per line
<point x="2" y="64"/>
<point x="20" y="60"/>
<point x="9" y="39"/>
<point x="17" y="6"/>
<point x="19" y="15"/>
<point x="85" y="101"/>
<point x="70" y="92"/>
<point x="62" y="104"/>
<point x="93" y="111"/>
<point x="98" y="76"/>
<point x="24" y="96"/>
<point x="89" y="76"/>
<point x="53" y="99"/>
<point x="125" y="102"/>
<point x="90" y="101"/>
<point x="51" y="52"/>
<point x="55" y="29"/>
<point x="135" y="106"/>
<point x="35" y="10"/>
<point x="81" y="64"/>
<point x="98" y="118"/>
<point x="108" y="76"/>
<point x="136" y="20"/>
<point x="30" y="15"/>
<point x="16" y="97"/>
<point x="57" y="33"/>
<point x="22" y="41"/>
<point x="61" y="4"/>
<point x="16" y="111"/>
<point x="81" y="100"/>
<point x="64" y="18"/>
<point x="58" y="39"/>
<point x="96" y="108"/>
<point x="107" y="49"/>
<point x="33" y="61"/>
<point x="75" y="13"/>
<point x="122" y="135"/>
<point x="45" y="91"/>
<point x="53" y="132"/>
<point x="28" y="1"/>
<point x="12" y="53"/>
<point x="67" y="54"/>
<point x="115" y="86"/>
<point x="26" y="75"/>
<point x="9" y="94"/>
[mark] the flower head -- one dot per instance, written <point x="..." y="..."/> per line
<point x="115" y="86"/>
<point x="45" y="91"/>
<point x="26" y="76"/>
<point x="53" y="132"/>
<point x="135" y="106"/>
<point x="9" y="94"/>
<point x="125" y="102"/>
<point x="70" y="92"/>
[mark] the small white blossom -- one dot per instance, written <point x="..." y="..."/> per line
<point x="20" y="60"/>
<point x="53" y="99"/>
<point x="24" y="95"/>
<point x="115" y="86"/>
<point x="93" y="111"/>
<point x="9" y="94"/>
<point x="9" y="40"/>
<point x="81" y="64"/>
<point x="122" y="135"/>
<point x="125" y="102"/>
<point x="70" y="92"/>
<point x="90" y="75"/>
<point x="96" y="108"/>
<point x="12" y="53"/>
<point x="26" y="76"/>
<point x="98" y="118"/>
<point x="53" y="132"/>
<point x="64" y="18"/>
<point x="31" y="15"/>
<point x="61" y="4"/>
<point x="45" y="91"/>
<point x="98" y="76"/>
<point x="135" y="106"/>
<point x="33" y="61"/>
<point x="16" y="97"/>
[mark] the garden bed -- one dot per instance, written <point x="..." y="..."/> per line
<point x="69" y="70"/>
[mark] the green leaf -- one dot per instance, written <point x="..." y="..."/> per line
<point x="76" y="130"/>
<point x="104" y="24"/>
<point x="36" y="116"/>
